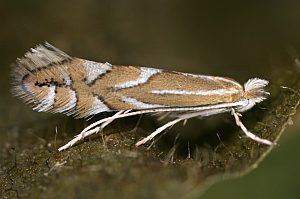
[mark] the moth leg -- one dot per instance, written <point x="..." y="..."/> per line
<point x="201" y="114"/>
<point x="162" y="115"/>
<point x="110" y="120"/>
<point x="92" y="130"/>
<point x="180" y="117"/>
<point x="137" y="124"/>
<point x="248" y="133"/>
<point x="79" y="137"/>
<point x="157" y="131"/>
<point x="184" y="122"/>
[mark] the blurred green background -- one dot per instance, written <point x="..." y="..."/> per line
<point x="239" y="39"/>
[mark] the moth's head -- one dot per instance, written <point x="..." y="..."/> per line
<point x="254" y="92"/>
<point x="39" y="78"/>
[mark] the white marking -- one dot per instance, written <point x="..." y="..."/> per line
<point x="65" y="76"/>
<point x="70" y="105"/>
<point x="68" y="80"/>
<point x="214" y="78"/>
<point x="97" y="107"/>
<point x="47" y="103"/>
<point x="95" y="69"/>
<point x="139" y="104"/>
<point x="145" y="74"/>
<point x="184" y="92"/>
<point x="26" y="88"/>
<point x="229" y="81"/>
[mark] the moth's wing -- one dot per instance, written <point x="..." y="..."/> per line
<point x="37" y="76"/>
<point x="171" y="89"/>
<point x="52" y="81"/>
<point x="142" y="88"/>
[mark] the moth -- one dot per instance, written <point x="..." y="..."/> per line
<point x="52" y="81"/>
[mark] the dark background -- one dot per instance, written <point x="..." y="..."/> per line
<point x="239" y="39"/>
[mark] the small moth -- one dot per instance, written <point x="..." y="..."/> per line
<point x="52" y="81"/>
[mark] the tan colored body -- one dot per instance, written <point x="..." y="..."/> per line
<point x="104" y="87"/>
<point x="53" y="81"/>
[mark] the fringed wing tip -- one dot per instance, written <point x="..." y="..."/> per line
<point x="42" y="55"/>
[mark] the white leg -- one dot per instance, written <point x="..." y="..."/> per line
<point x="184" y="122"/>
<point x="157" y="131"/>
<point x="201" y="114"/>
<point x="105" y="121"/>
<point x="79" y="137"/>
<point x="248" y="133"/>
<point x="104" y="124"/>
<point x="92" y="131"/>
<point x="210" y="109"/>
<point x="185" y="117"/>
<point x="162" y="116"/>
